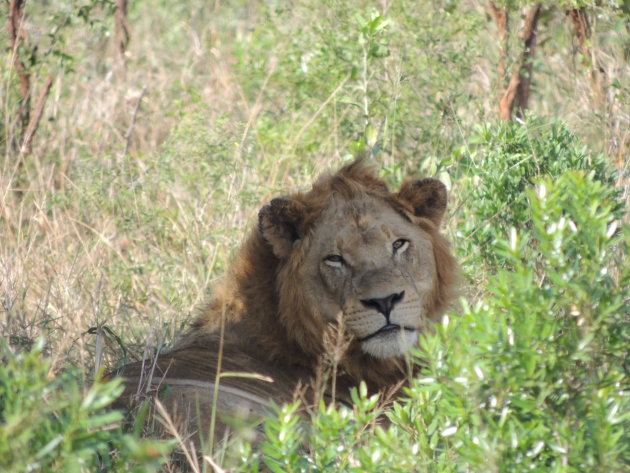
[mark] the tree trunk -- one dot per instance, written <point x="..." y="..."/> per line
<point x="516" y="91"/>
<point x="582" y="33"/>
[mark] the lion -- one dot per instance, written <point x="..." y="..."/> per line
<point x="348" y="257"/>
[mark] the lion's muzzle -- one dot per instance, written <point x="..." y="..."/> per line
<point x="384" y="304"/>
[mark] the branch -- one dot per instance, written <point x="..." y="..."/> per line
<point x="501" y="18"/>
<point x="133" y="122"/>
<point x="33" y="123"/>
<point x="520" y="80"/>
<point x="15" y="21"/>
<point x="122" y="28"/>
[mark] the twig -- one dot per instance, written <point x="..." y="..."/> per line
<point x="217" y="377"/>
<point x="133" y="122"/>
<point x="517" y="89"/>
<point x="16" y="33"/>
<point x="582" y="33"/>
<point x="121" y="34"/>
<point x="320" y="109"/>
<point x="273" y="62"/>
<point x="213" y="464"/>
<point x="501" y="18"/>
<point x="33" y="123"/>
<point x="167" y="421"/>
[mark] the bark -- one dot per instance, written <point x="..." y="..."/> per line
<point x="121" y="28"/>
<point x="15" y="20"/>
<point x="582" y="33"/>
<point x="527" y="57"/>
<point x="501" y="18"/>
<point x="516" y="92"/>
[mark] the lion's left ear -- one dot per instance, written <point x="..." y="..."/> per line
<point x="279" y="223"/>
<point x="427" y="197"/>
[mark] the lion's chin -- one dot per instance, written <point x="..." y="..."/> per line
<point x="390" y="344"/>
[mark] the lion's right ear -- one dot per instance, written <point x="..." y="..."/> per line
<point x="279" y="223"/>
<point x="427" y="197"/>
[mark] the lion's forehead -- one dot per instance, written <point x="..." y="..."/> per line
<point x="355" y="223"/>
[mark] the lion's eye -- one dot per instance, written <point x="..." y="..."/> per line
<point x="334" y="260"/>
<point x="400" y="245"/>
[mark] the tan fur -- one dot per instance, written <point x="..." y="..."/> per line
<point x="284" y="295"/>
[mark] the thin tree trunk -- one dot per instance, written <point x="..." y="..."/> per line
<point x="33" y="123"/>
<point x="582" y="33"/>
<point x="501" y="18"/>
<point x="516" y="91"/>
<point x="27" y="119"/>
<point x="15" y="21"/>
<point x="121" y="33"/>
<point x="527" y="57"/>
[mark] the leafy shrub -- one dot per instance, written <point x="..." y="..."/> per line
<point x="392" y="78"/>
<point x="531" y="379"/>
<point x="504" y="162"/>
<point x="541" y="382"/>
<point x="48" y="423"/>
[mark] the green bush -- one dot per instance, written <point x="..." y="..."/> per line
<point x="501" y="164"/>
<point x="49" y="423"/>
<point x="533" y="378"/>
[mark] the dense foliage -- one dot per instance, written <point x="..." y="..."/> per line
<point x="50" y="423"/>
<point x="502" y="162"/>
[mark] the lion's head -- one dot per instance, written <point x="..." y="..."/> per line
<point x="352" y="252"/>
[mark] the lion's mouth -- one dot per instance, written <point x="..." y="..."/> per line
<point x="385" y="329"/>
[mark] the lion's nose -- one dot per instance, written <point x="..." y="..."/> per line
<point x="385" y="304"/>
